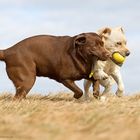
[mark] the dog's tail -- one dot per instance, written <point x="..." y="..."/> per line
<point x="1" y="55"/>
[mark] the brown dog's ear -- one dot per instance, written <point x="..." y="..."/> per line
<point x="105" y="32"/>
<point x="80" y="40"/>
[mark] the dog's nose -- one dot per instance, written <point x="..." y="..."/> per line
<point x="127" y="53"/>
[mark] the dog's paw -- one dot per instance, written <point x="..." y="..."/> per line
<point x="77" y="95"/>
<point x="103" y="98"/>
<point x="101" y="76"/>
<point x="119" y="93"/>
<point x="105" y="77"/>
<point x="86" y="97"/>
<point x="96" y="94"/>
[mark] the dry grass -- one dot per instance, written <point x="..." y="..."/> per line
<point x="61" y="117"/>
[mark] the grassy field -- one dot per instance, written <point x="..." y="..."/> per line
<point x="61" y="117"/>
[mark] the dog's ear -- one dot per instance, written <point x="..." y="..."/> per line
<point x="104" y="32"/>
<point x="80" y="40"/>
<point x="121" y="29"/>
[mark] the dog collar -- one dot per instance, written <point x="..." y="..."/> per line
<point x="91" y="74"/>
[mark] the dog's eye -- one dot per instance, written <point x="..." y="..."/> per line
<point x="119" y="43"/>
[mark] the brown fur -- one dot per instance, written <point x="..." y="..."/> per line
<point x="96" y="88"/>
<point x="1" y="55"/>
<point x="64" y="59"/>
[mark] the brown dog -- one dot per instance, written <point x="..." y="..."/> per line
<point x="64" y="59"/>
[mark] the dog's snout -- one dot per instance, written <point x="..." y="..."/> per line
<point x="127" y="53"/>
<point x="107" y="55"/>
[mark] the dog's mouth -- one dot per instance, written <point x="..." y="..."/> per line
<point x="118" y="58"/>
<point x="124" y="54"/>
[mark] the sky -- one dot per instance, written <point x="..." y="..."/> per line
<point x="20" y="19"/>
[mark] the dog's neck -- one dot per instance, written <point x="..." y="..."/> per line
<point x="82" y="62"/>
<point x="83" y="65"/>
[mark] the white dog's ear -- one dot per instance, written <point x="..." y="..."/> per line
<point x="121" y="29"/>
<point x="104" y="32"/>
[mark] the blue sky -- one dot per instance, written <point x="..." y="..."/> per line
<point x="20" y="19"/>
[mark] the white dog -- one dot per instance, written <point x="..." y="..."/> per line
<point x="107" y="72"/>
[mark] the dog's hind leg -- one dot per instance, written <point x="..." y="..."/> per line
<point x="22" y="88"/>
<point x="118" y="78"/>
<point x="23" y="79"/>
<point x="21" y="93"/>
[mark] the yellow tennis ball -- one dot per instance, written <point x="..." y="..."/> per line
<point x="118" y="57"/>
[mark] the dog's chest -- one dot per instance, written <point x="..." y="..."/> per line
<point x="109" y="67"/>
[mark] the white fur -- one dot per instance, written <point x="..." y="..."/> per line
<point x="107" y="72"/>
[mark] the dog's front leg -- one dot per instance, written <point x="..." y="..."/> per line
<point x="87" y="84"/>
<point x="118" y="78"/>
<point x="96" y="89"/>
<point x="71" y="85"/>
<point x="107" y="84"/>
<point x="100" y="75"/>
